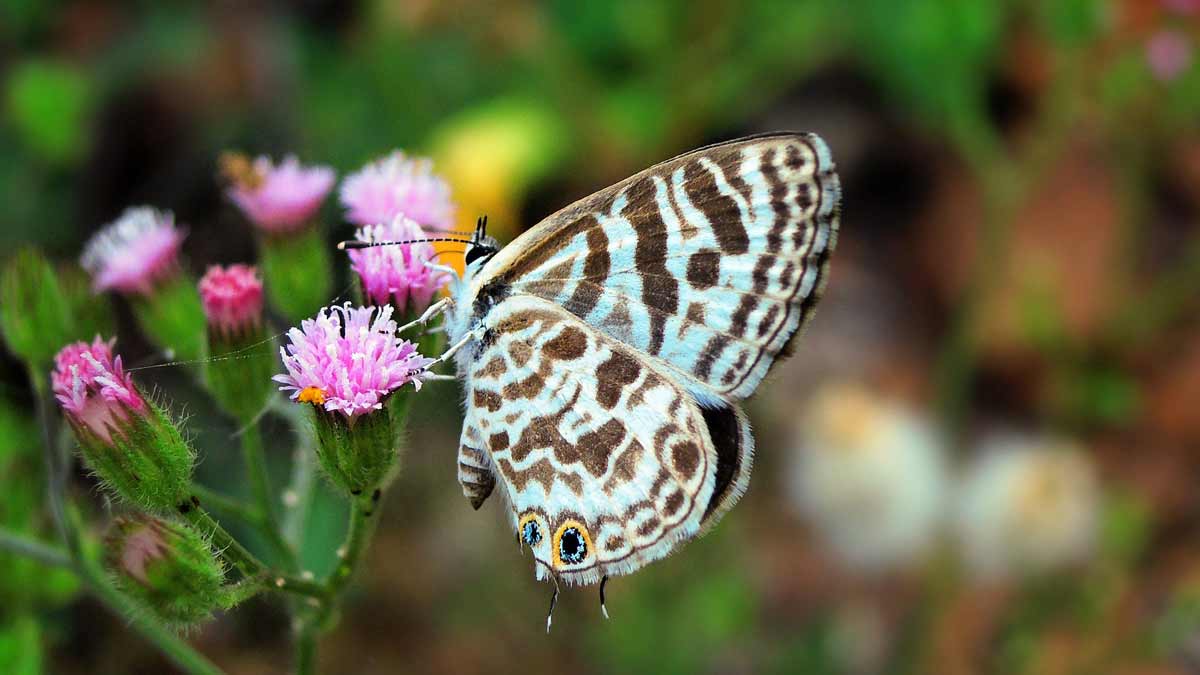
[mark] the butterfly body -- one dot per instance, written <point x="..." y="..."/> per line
<point x="605" y="351"/>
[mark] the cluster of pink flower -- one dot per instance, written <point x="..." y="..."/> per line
<point x="345" y="359"/>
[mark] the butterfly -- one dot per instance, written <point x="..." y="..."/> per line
<point x="605" y="351"/>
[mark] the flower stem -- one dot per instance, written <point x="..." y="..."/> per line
<point x="244" y="560"/>
<point x="31" y="548"/>
<point x="260" y="483"/>
<point x="363" y="516"/>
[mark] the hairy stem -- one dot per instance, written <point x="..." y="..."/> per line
<point x="244" y="560"/>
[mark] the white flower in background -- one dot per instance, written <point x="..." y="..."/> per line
<point x="1028" y="506"/>
<point x="870" y="477"/>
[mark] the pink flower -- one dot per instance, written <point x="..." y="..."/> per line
<point x="396" y="185"/>
<point x="277" y="199"/>
<point x="94" y="389"/>
<point x="134" y="252"/>
<point x="232" y="298"/>
<point x="1169" y="54"/>
<point x="396" y="275"/>
<point x="349" y="359"/>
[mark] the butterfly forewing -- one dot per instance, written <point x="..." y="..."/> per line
<point x="591" y="444"/>
<point x="709" y="262"/>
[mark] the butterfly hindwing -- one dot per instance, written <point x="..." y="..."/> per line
<point x="709" y="262"/>
<point x="605" y="461"/>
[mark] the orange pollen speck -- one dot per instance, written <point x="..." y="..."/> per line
<point x="312" y="395"/>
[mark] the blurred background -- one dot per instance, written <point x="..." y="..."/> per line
<point x="983" y="457"/>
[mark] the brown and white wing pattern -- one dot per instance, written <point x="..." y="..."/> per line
<point x="605" y="461"/>
<point x="709" y="262"/>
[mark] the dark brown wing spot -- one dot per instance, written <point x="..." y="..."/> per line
<point x="498" y="442"/>
<point x="685" y="457"/>
<point x="613" y="376"/>
<point x="595" y="447"/>
<point x="487" y="399"/>
<point x="529" y="387"/>
<point x="704" y="269"/>
<point x="568" y="345"/>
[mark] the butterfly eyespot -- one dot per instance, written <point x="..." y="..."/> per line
<point x="531" y="533"/>
<point x="530" y="529"/>
<point x="572" y="543"/>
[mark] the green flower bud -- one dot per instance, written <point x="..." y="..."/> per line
<point x="168" y="568"/>
<point x="129" y="442"/>
<point x="34" y="315"/>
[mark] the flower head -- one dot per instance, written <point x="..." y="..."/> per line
<point x="133" y="253"/>
<point x="396" y="275"/>
<point x="1169" y="54"/>
<point x="1028" y="506"/>
<point x="232" y="298"/>
<point x="349" y="359"/>
<point x="396" y="185"/>
<point x="94" y="389"/>
<point x="870" y="476"/>
<point x="276" y="198"/>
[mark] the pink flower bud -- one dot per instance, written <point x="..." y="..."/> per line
<point x="396" y="185"/>
<point x="1169" y="54"/>
<point x="232" y="298"/>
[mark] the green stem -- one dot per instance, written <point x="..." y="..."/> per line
<point x="256" y="468"/>
<point x="31" y="548"/>
<point x="363" y="516"/>
<point x="245" y="561"/>
<point x="260" y="484"/>
<point x="299" y="495"/>
<point x="228" y="505"/>
<point x="251" y="516"/>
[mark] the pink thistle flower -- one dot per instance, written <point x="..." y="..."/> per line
<point x="93" y="388"/>
<point x="133" y="253"/>
<point x="277" y="198"/>
<point x="1169" y="54"/>
<point x="397" y="275"/>
<point x="349" y="359"/>
<point x="395" y="185"/>
<point x="232" y="298"/>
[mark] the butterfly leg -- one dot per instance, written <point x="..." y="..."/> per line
<point x="436" y="308"/>
<point x="553" y="602"/>
<point x="603" y="609"/>
<point x="472" y="335"/>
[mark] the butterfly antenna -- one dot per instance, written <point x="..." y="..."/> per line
<point x="603" y="609"/>
<point x="553" y="602"/>
<point x="356" y="244"/>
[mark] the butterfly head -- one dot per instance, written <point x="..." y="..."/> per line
<point x="481" y="248"/>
